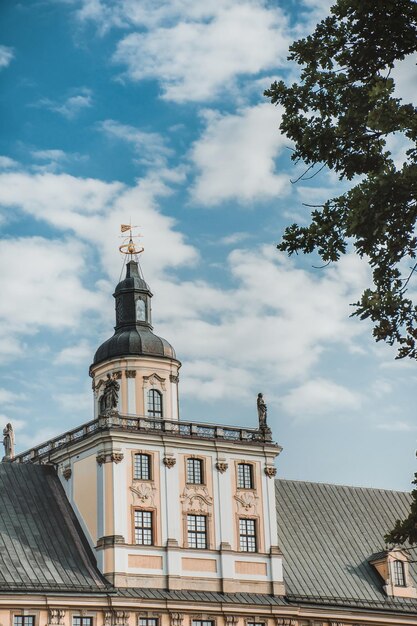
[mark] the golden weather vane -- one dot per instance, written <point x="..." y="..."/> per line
<point x="129" y="246"/>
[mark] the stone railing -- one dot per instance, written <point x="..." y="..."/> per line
<point x="134" y="423"/>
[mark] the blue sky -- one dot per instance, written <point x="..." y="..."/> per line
<point x="154" y="112"/>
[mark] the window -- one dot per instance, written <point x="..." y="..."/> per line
<point x="399" y="573"/>
<point x="143" y="529"/>
<point x="197" y="531"/>
<point x="24" y="620"/>
<point x="82" y="621"/>
<point x="142" y="467"/>
<point x="147" y="621"/>
<point x="247" y="533"/>
<point x="255" y="624"/>
<point x="205" y="622"/>
<point x="154" y="403"/>
<point x="194" y="471"/>
<point x="244" y="476"/>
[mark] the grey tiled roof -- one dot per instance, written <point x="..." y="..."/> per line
<point x="42" y="546"/>
<point x="327" y="534"/>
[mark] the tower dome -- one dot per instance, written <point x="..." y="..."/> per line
<point x="133" y="334"/>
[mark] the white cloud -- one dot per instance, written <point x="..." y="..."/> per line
<point x="405" y="78"/>
<point x="320" y="397"/>
<point x="205" y="49"/>
<point x="234" y="238"/>
<point x="6" y="56"/>
<point x="73" y="355"/>
<point x="72" y="106"/>
<point x="7" y="396"/>
<point x="235" y="156"/>
<point x="49" y="155"/>
<point x="399" y="426"/>
<point x="7" y="163"/>
<point x="150" y="146"/>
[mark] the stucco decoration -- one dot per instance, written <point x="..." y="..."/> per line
<point x="247" y="502"/>
<point x="270" y="471"/>
<point x="169" y="461"/>
<point x="154" y="381"/>
<point x="176" y="619"/>
<point x="116" y="618"/>
<point x="109" y="457"/>
<point x="56" y="617"/>
<point x="231" y="620"/>
<point x="174" y="378"/>
<point x="222" y="466"/>
<point x="286" y="621"/>
<point x="130" y="373"/>
<point x="67" y="473"/>
<point x="143" y="494"/>
<point x="196" y="499"/>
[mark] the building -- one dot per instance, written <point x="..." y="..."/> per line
<point x="137" y="518"/>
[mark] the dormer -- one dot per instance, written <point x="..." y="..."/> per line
<point x="393" y="567"/>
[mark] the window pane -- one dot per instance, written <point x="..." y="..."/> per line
<point x="247" y="531"/>
<point x="154" y="403"/>
<point x="142" y="467"/>
<point x="197" y="531"/>
<point x="147" y="621"/>
<point x="143" y="528"/>
<point x="194" y="471"/>
<point x="244" y="476"/>
<point x="399" y="574"/>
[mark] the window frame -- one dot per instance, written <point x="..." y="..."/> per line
<point x="19" y="616"/>
<point x="85" y="620"/>
<point x="143" y="527"/>
<point x="203" y="622"/>
<point x="245" y="537"/>
<point x="197" y="533"/>
<point x="150" y="465"/>
<point x="245" y="465"/>
<point x="194" y="460"/>
<point x="151" y="411"/>
<point x="399" y="576"/>
<point x="147" y="621"/>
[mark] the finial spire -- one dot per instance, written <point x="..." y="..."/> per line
<point x="128" y="246"/>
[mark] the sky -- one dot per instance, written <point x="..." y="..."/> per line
<point x="153" y="112"/>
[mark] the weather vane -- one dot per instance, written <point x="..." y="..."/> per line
<point x="129" y="246"/>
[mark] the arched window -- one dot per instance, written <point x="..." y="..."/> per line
<point x="154" y="403"/>
<point x="399" y="573"/>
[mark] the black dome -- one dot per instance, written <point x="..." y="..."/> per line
<point x="134" y="342"/>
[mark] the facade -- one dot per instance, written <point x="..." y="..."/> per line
<point x="137" y="518"/>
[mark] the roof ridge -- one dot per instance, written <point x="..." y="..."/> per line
<point x="318" y="482"/>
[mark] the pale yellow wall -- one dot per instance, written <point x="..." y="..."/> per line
<point x="84" y="474"/>
<point x="144" y="494"/>
<point x="206" y="488"/>
<point x="255" y="496"/>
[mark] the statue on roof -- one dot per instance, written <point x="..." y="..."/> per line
<point x="262" y="414"/>
<point x="109" y="399"/>
<point x="8" y="442"/>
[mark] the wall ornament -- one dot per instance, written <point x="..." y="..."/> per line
<point x="67" y="473"/>
<point x="169" y="461"/>
<point x="247" y="502"/>
<point x="222" y="466"/>
<point x="56" y="617"/>
<point x="145" y="493"/>
<point x="196" y="499"/>
<point x="176" y="619"/>
<point x="270" y="471"/>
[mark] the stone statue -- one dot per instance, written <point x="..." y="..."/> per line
<point x="262" y="410"/>
<point x="8" y="442"/>
<point x="109" y="399"/>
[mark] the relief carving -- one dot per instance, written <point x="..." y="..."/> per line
<point x="222" y="466"/>
<point x="286" y="621"/>
<point x="247" y="502"/>
<point x="176" y="619"/>
<point x="231" y="620"/>
<point x="116" y="618"/>
<point x="144" y="493"/>
<point x="67" y="473"/>
<point x="109" y="457"/>
<point x="196" y="499"/>
<point x="116" y="457"/>
<point x="154" y="379"/>
<point x="130" y="373"/>
<point x="270" y="471"/>
<point x="169" y="461"/>
<point x="174" y="379"/>
<point x="56" y="617"/>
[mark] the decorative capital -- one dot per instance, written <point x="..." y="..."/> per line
<point x="130" y="373"/>
<point x="176" y="619"/>
<point x="67" y="473"/>
<point x="286" y="621"/>
<point x="116" y="457"/>
<point x="56" y="617"/>
<point x="101" y="458"/>
<point x="231" y="620"/>
<point x="222" y="466"/>
<point x="117" y="375"/>
<point x="109" y="457"/>
<point x="270" y="471"/>
<point x="174" y="378"/>
<point x="169" y="461"/>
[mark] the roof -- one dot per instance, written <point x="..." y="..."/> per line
<point x="136" y="341"/>
<point x="42" y="545"/>
<point x="328" y="533"/>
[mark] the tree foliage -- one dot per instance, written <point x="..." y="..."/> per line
<point x="406" y="530"/>
<point x="340" y="115"/>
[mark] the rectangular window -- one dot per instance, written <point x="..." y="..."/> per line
<point x="143" y="529"/>
<point x="82" y="621"/>
<point x="205" y="622"/>
<point x="255" y="624"/>
<point x="194" y="471"/>
<point x="399" y="574"/>
<point x="247" y="532"/>
<point x="147" y="621"/>
<point x="197" y="531"/>
<point x="24" y="620"/>
<point x="244" y="476"/>
<point x="142" y="467"/>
